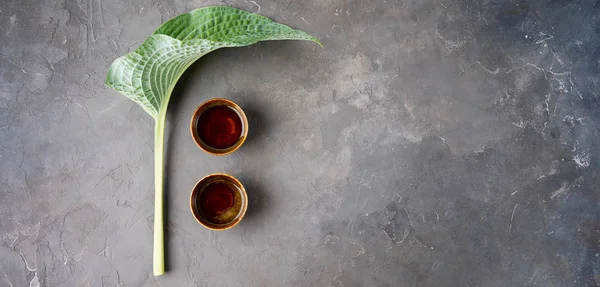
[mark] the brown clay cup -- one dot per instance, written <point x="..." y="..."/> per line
<point x="233" y="215"/>
<point x="206" y="106"/>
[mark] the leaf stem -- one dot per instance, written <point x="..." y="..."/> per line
<point x="159" y="237"/>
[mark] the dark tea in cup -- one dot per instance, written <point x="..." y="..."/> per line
<point x="219" y="126"/>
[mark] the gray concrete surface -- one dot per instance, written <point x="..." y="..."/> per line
<point x="431" y="143"/>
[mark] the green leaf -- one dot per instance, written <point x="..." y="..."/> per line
<point x="148" y="75"/>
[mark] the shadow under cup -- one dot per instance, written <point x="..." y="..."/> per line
<point x="218" y="201"/>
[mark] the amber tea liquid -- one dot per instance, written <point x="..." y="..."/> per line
<point x="220" y="127"/>
<point x="219" y="202"/>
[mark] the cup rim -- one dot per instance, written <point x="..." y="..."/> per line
<point x="195" y="210"/>
<point x="218" y="102"/>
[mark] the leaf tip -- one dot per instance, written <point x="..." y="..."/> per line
<point x="312" y="38"/>
<point x="318" y="43"/>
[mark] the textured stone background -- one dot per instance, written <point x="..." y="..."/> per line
<point x="431" y="143"/>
